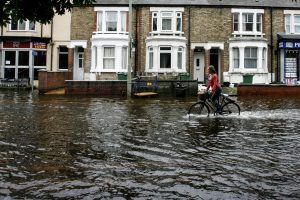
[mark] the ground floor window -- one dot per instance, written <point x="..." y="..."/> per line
<point x="63" y="58"/>
<point x="165" y="57"/>
<point x="17" y="64"/>
<point x="250" y="57"/>
<point x="108" y="58"/>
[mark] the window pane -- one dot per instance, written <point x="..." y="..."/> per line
<point x="23" y="73"/>
<point x="235" y="22"/>
<point x="111" y="21"/>
<point x="80" y="60"/>
<point x="124" y="21"/>
<point x="297" y="19"/>
<point x="22" y="25"/>
<point x="165" y="60"/>
<point x="40" y="59"/>
<point x="250" y="58"/>
<point x="124" y="57"/>
<point x="32" y="26"/>
<point x="179" y="62"/>
<point x="150" y="60"/>
<point x="166" y="24"/>
<point x="14" y="24"/>
<point x="236" y="58"/>
<point x="154" y="25"/>
<point x="165" y="48"/>
<point x="259" y="22"/>
<point x="10" y="58"/>
<point x="99" y="21"/>
<point x="108" y="58"/>
<point x="9" y="73"/>
<point x="24" y="58"/>
<point x="63" y="58"/>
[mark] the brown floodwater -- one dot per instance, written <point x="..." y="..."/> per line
<point x="87" y="147"/>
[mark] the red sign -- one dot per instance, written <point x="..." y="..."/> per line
<point x="39" y="45"/>
<point x="16" y="45"/>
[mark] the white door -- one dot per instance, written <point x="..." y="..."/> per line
<point x="78" y="63"/>
<point x="199" y="66"/>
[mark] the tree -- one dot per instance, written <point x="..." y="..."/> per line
<point x="36" y="10"/>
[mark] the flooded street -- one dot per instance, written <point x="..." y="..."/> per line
<point x="80" y="147"/>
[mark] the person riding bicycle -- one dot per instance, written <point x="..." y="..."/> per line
<point x="215" y="86"/>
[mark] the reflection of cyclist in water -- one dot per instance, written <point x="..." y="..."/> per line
<point x="216" y="89"/>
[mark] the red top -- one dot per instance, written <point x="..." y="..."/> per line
<point x="213" y="82"/>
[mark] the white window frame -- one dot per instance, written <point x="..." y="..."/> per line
<point x="27" y="26"/>
<point x="292" y="22"/>
<point x="251" y="57"/>
<point x="101" y="19"/>
<point x="111" y="58"/>
<point x="158" y="13"/>
<point x="241" y="12"/>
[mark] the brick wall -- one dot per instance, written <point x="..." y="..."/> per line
<point x="245" y="90"/>
<point x="52" y="80"/>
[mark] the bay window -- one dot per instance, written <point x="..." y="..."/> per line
<point x="247" y="21"/>
<point x="166" y="20"/>
<point x="112" y="20"/>
<point x="21" y="25"/>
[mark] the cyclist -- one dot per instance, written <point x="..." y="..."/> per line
<point x="216" y="89"/>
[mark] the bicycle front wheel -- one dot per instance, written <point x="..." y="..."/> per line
<point x="231" y="108"/>
<point x="199" y="109"/>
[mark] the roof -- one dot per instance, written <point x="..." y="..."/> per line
<point x="295" y="4"/>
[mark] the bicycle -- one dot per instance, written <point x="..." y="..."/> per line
<point x="205" y="106"/>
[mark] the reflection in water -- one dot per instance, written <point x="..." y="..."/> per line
<point x="79" y="147"/>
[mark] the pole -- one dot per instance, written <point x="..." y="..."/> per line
<point x="129" y="51"/>
<point x="32" y="70"/>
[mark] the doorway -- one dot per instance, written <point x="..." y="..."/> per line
<point x="78" y="63"/>
<point x="199" y="65"/>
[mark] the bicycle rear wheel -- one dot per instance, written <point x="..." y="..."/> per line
<point x="231" y="108"/>
<point x="199" y="109"/>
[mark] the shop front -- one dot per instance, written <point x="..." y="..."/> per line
<point x="19" y="57"/>
<point x="289" y="55"/>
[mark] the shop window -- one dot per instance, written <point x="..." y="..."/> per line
<point x="9" y="73"/>
<point x="250" y="59"/>
<point x="109" y="58"/>
<point x="23" y="58"/>
<point x="23" y="73"/>
<point x="165" y="57"/>
<point x="63" y="58"/>
<point x="40" y="59"/>
<point x="10" y="58"/>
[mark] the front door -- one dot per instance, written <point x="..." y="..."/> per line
<point x="215" y="61"/>
<point x="78" y="63"/>
<point x="199" y="66"/>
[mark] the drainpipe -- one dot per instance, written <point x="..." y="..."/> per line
<point x="51" y="46"/>
<point x="272" y="46"/>
<point x="189" y="40"/>
<point x="136" y="42"/>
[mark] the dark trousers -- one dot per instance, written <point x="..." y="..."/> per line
<point x="216" y="96"/>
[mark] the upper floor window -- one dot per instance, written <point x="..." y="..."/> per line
<point x="22" y="25"/>
<point x="112" y="20"/>
<point x="292" y="22"/>
<point x="166" y="19"/>
<point x="247" y="21"/>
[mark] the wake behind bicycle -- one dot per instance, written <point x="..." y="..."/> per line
<point x="205" y="107"/>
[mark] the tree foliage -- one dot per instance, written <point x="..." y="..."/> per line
<point x="36" y="10"/>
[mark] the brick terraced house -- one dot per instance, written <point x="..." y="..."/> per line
<point x="172" y="37"/>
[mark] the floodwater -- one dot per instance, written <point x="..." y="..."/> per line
<point x="85" y="147"/>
